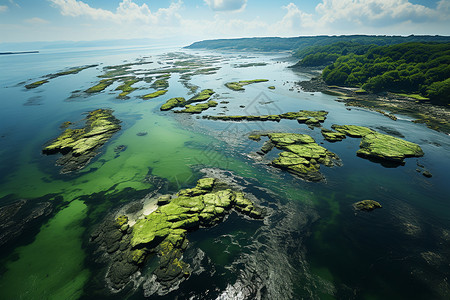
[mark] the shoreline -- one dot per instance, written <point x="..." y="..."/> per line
<point x="389" y="104"/>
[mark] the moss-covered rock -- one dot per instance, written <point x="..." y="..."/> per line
<point x="367" y="205"/>
<point x="36" y="84"/>
<point x="239" y="86"/>
<point x="352" y="130"/>
<point x="387" y="148"/>
<point x="332" y="136"/>
<point x="102" y="85"/>
<point x="180" y="102"/>
<point x="173" y="102"/>
<point x="302" y="156"/>
<point x="302" y="116"/>
<point x="154" y="94"/>
<point x="198" y="108"/>
<point x="78" y="146"/>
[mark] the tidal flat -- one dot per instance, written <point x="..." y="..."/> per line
<point x="194" y="194"/>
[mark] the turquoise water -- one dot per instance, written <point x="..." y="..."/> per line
<point x="313" y="244"/>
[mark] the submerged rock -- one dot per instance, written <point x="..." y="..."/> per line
<point x="162" y="233"/>
<point x="79" y="146"/>
<point x="367" y="205"/>
<point x="21" y="217"/>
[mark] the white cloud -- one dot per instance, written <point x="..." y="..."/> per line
<point x="227" y="5"/>
<point x="294" y="21"/>
<point x="127" y="12"/>
<point x="36" y="21"/>
<point x="3" y="8"/>
<point x="383" y="13"/>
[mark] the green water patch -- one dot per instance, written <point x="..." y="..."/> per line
<point x="52" y="266"/>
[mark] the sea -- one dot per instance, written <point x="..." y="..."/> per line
<point x="312" y="244"/>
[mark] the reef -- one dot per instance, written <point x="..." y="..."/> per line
<point x="22" y="217"/>
<point x="36" y="84"/>
<point x="62" y="73"/>
<point x="158" y="238"/>
<point x="239" y="86"/>
<point x="367" y="205"/>
<point x="126" y="87"/>
<point x="180" y="101"/>
<point x="161" y="83"/>
<point x="311" y="118"/>
<point x="301" y="155"/>
<point x="79" y="146"/>
<point x="198" y="108"/>
<point x="154" y="94"/>
<point x="102" y="85"/>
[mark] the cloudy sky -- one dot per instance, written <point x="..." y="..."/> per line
<point x="55" y="20"/>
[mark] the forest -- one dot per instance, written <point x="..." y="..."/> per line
<point x="422" y="68"/>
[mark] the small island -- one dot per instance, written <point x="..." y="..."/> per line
<point x="239" y="86"/>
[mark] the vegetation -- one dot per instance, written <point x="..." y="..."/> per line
<point x="268" y="44"/>
<point x="126" y="87"/>
<point x="198" y="108"/>
<point x="103" y="84"/>
<point x="180" y="101"/>
<point x="154" y="94"/>
<point x="413" y="68"/>
<point x="239" y="86"/>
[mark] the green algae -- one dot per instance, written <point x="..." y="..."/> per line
<point x="271" y="87"/>
<point x="202" y="96"/>
<point x="51" y="267"/>
<point x="239" y="86"/>
<point x="154" y="94"/>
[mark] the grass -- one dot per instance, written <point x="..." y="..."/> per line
<point x="414" y="96"/>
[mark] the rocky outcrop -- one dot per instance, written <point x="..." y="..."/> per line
<point x="302" y="156"/>
<point x="79" y="146"/>
<point x="367" y="205"/>
<point x="161" y="234"/>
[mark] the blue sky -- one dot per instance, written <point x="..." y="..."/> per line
<point x="55" y="20"/>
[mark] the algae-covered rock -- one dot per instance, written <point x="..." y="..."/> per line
<point x="352" y="130"/>
<point x="332" y="136"/>
<point x="387" y="148"/>
<point x="367" y="205"/>
<point x="239" y="86"/>
<point x="79" y="146"/>
<point x="180" y="102"/>
<point x="198" y="108"/>
<point x="302" y="156"/>
<point x="302" y="116"/>
<point x="154" y="94"/>
<point x="173" y="102"/>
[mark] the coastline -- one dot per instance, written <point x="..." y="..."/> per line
<point x="389" y="104"/>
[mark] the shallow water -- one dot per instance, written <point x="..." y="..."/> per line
<point x="313" y="244"/>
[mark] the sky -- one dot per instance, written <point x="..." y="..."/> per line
<point x="192" y="20"/>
